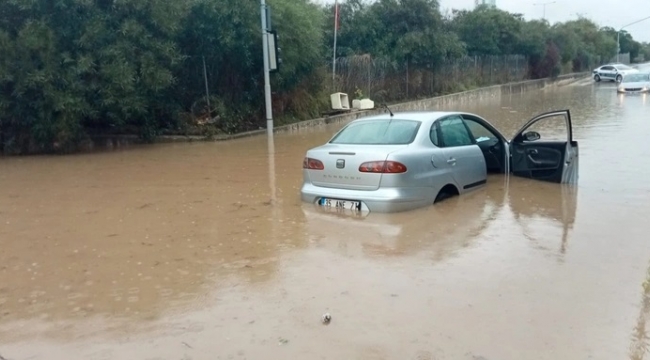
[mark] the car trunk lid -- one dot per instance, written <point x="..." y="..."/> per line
<point x="341" y="165"/>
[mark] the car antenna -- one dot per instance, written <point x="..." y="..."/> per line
<point x="387" y="108"/>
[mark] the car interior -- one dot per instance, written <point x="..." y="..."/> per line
<point x="490" y="144"/>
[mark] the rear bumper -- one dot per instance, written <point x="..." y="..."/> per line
<point x="382" y="200"/>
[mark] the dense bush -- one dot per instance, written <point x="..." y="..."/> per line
<point x="73" y="69"/>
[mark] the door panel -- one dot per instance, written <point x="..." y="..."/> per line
<point x="491" y="143"/>
<point x="607" y="72"/>
<point x="541" y="156"/>
<point x="468" y="165"/>
<point x="542" y="160"/>
<point x="462" y="154"/>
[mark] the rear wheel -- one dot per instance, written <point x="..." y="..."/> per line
<point x="446" y="192"/>
<point x="597" y="78"/>
<point x="619" y="78"/>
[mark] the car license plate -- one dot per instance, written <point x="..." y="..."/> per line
<point x="340" y="204"/>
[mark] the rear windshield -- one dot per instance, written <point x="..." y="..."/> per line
<point x="623" y="67"/>
<point x="378" y="132"/>
<point x="636" y="77"/>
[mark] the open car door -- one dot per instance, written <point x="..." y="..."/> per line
<point x="547" y="151"/>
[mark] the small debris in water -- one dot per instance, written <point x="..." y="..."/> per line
<point x="282" y="341"/>
<point x="326" y="318"/>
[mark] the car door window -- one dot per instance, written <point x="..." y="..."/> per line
<point x="607" y="68"/>
<point x="454" y="132"/>
<point x="433" y="135"/>
<point x="553" y="128"/>
<point x="479" y="132"/>
<point x="541" y="151"/>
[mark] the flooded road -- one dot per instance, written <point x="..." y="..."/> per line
<point x="204" y="251"/>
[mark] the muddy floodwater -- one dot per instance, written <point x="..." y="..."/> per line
<point x="204" y="251"/>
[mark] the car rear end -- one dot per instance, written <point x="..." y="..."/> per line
<point x="349" y="173"/>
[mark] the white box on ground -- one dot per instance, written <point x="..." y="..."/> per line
<point x="340" y="101"/>
<point x="366" y="104"/>
<point x="363" y="104"/>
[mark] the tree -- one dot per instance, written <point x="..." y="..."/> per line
<point x="644" y="50"/>
<point x="488" y="31"/>
<point x="72" y="69"/>
<point x="226" y="35"/>
<point x="78" y="65"/>
<point x="626" y="42"/>
<point x="401" y="30"/>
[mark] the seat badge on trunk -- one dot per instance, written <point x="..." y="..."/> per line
<point x="340" y="163"/>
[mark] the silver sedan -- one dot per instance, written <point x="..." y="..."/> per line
<point x="397" y="162"/>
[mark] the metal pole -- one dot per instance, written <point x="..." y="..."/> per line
<point x="618" y="37"/>
<point x="618" y="46"/>
<point x="267" y="78"/>
<point x="207" y="92"/>
<point x="544" y="7"/>
<point x="336" y="28"/>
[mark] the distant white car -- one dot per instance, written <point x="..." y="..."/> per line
<point x="635" y="83"/>
<point x="613" y="72"/>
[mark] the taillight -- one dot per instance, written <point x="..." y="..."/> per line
<point x="385" y="167"/>
<point x="312" y="164"/>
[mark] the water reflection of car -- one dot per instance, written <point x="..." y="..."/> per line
<point x="403" y="234"/>
<point x="541" y="213"/>
<point x="635" y="83"/>
<point x="613" y="72"/>
<point x="544" y="211"/>
<point x="390" y="163"/>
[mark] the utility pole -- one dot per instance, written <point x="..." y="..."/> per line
<point x="267" y="77"/>
<point x="336" y="29"/>
<point x="544" y="7"/>
<point x="618" y="37"/>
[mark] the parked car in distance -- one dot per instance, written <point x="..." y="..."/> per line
<point x="635" y="83"/>
<point x="389" y="163"/>
<point x="613" y="72"/>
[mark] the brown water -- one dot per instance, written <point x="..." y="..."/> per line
<point x="204" y="251"/>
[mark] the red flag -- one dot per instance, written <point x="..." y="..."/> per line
<point x="336" y="15"/>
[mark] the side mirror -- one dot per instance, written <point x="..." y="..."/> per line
<point x="532" y="136"/>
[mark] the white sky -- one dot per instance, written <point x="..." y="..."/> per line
<point x="604" y="12"/>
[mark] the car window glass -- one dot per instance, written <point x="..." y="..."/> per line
<point x="478" y="131"/>
<point x="635" y="78"/>
<point x="454" y="132"/>
<point x="378" y="132"/>
<point x="433" y="134"/>
<point x="607" y="68"/>
<point x="552" y="128"/>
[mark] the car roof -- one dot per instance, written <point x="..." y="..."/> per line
<point x="421" y="116"/>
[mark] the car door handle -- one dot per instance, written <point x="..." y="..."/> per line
<point x="534" y="161"/>
<point x="451" y="161"/>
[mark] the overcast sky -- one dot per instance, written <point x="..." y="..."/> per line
<point x="604" y="12"/>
